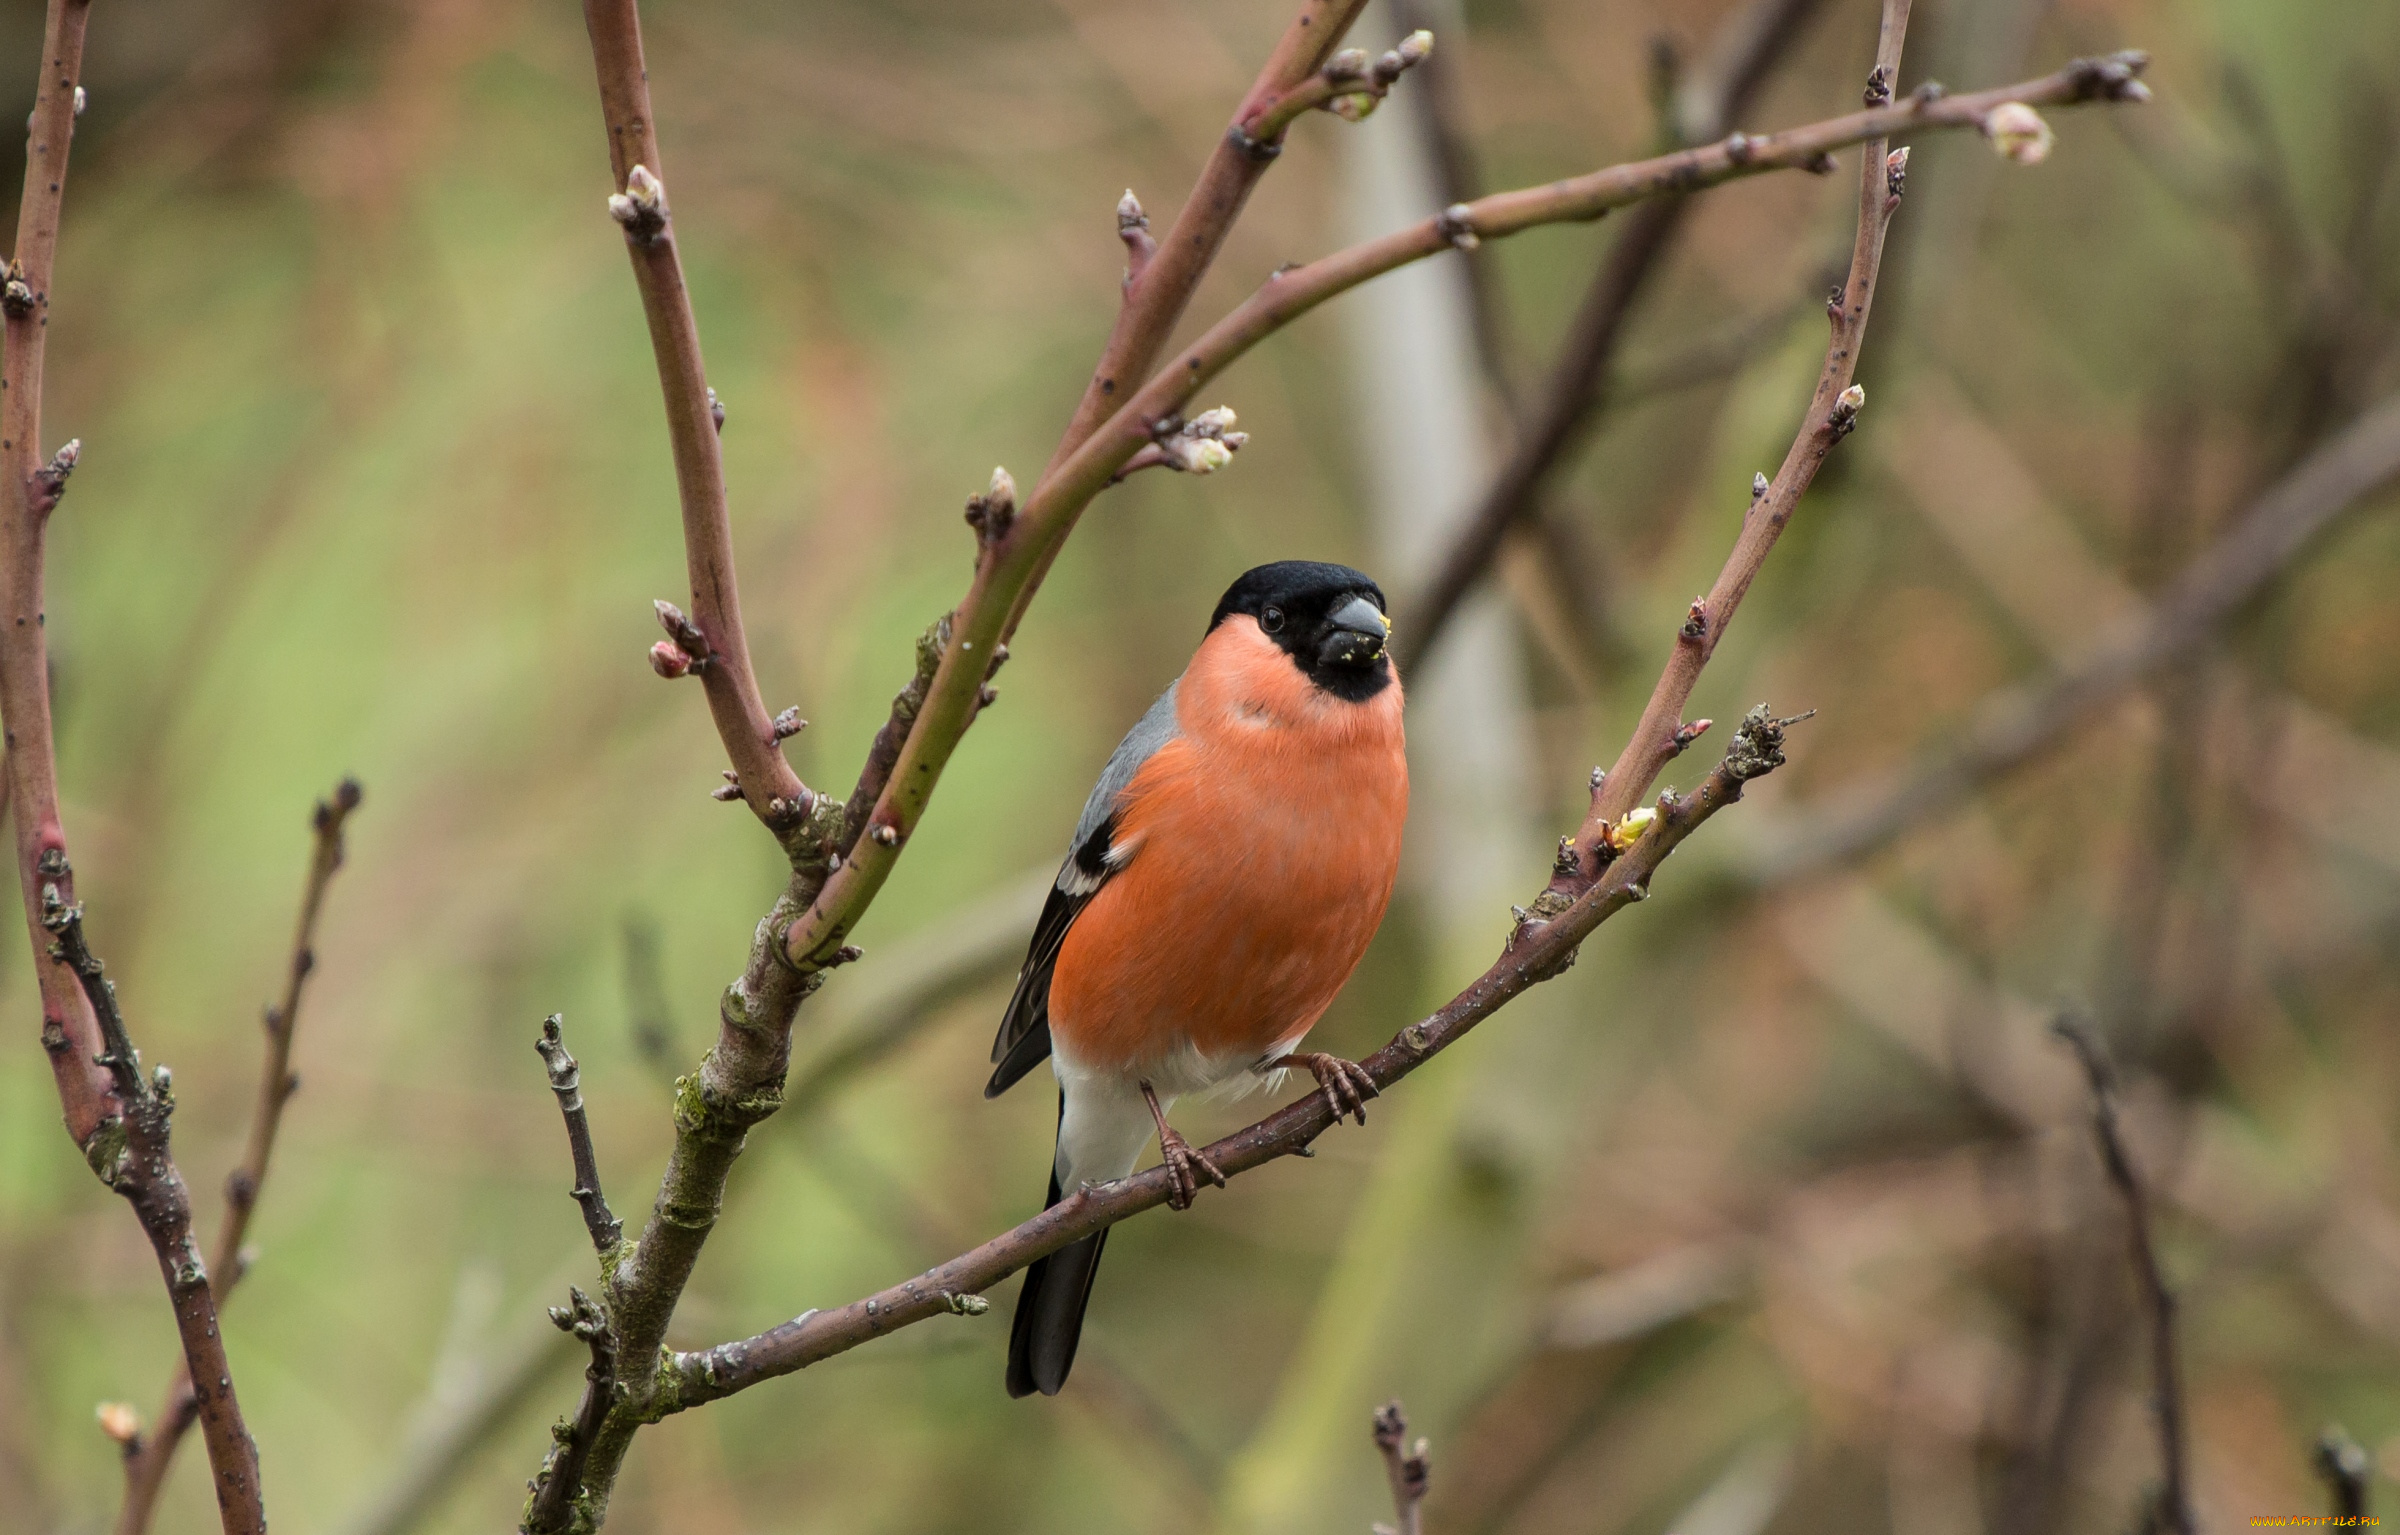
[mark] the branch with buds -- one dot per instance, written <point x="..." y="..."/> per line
<point x="1405" y="1465"/>
<point x="841" y="855"/>
<point x="118" y="1118"/>
<point x="1202" y="445"/>
<point x="1350" y="86"/>
<point x="148" y="1461"/>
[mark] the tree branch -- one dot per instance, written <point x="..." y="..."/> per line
<point x="2173" y="1509"/>
<point x="146" y="1467"/>
<point x="1598" y="872"/>
<point x="119" y="1120"/>
<point x="1538" y="951"/>
<point x="1747" y="46"/>
<point x="566" y="1080"/>
<point x="770" y="787"/>
<point x="1016" y="547"/>
<point x="842" y="858"/>
<point x="2019" y="723"/>
<point x="1406" y="1467"/>
<point x="144" y="1173"/>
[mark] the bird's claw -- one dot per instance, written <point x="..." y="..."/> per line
<point x="1182" y="1162"/>
<point x="1346" y="1085"/>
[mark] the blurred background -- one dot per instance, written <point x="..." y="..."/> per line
<point x="1780" y="1212"/>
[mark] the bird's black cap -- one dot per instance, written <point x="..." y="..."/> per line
<point x="1328" y="618"/>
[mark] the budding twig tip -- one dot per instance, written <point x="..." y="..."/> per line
<point x="2018" y="133"/>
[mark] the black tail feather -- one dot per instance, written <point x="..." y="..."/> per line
<point x="1041" y="1342"/>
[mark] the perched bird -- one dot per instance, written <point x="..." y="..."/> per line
<point x="1226" y="875"/>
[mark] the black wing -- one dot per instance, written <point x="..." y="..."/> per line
<point x="1024" y="1037"/>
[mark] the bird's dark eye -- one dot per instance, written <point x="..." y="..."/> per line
<point x="1270" y="619"/>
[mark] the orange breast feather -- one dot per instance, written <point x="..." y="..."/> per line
<point x="1268" y="841"/>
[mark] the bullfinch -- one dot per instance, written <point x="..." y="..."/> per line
<point x="1226" y="875"/>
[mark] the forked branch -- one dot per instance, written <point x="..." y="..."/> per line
<point x="147" y="1463"/>
<point x="118" y="1118"/>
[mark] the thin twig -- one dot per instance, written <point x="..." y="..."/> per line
<point x="1832" y="413"/>
<point x="566" y="1080"/>
<point x="744" y="723"/>
<point x="119" y="1120"/>
<point x="974" y="946"/>
<point x="144" y="1172"/>
<point x="2020" y="723"/>
<point x="2344" y="1468"/>
<point x="1407" y="1469"/>
<point x="1749" y="42"/>
<point x="559" y="1500"/>
<point x="2173" y="1509"/>
<point x="1015" y="549"/>
<point x="146" y="1468"/>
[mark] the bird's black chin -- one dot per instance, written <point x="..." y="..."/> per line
<point x="1356" y="680"/>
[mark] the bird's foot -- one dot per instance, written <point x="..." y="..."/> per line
<point x="1187" y="1166"/>
<point x="1346" y="1083"/>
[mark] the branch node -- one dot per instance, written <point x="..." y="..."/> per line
<point x="716" y="411"/>
<point x="1895" y="178"/>
<point x="641" y="207"/>
<point x="691" y="647"/>
<point x="1927" y="94"/>
<point x="1456" y="224"/>
<point x="1202" y="445"/>
<point x="992" y="513"/>
<point x="1738" y="148"/>
<point x="16" y="295"/>
<point x="1257" y="150"/>
<point x="1821" y="163"/>
<point x="961" y="1304"/>
<point x="1758" y="487"/>
<point x="1879" y="86"/>
<point x="1625" y="832"/>
<point x="50" y="481"/>
<point x="2112" y="77"/>
<point x="1695" y="623"/>
<point x="1757" y="748"/>
<point x="1842" y="420"/>
<point x="1685" y="735"/>
<point x="1133" y="227"/>
<point x="1405" y="1465"/>
<point x="2018" y="133"/>
<point x="789" y="724"/>
<point x="119" y="1421"/>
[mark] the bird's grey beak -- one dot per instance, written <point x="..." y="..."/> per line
<point x="1354" y="635"/>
